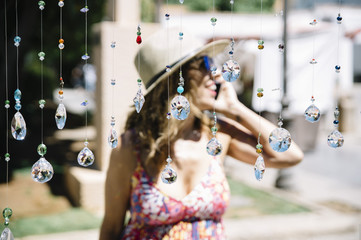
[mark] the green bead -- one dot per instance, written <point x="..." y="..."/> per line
<point x="259" y="146"/>
<point x="261" y="42"/>
<point x="42" y="101"/>
<point x="139" y="80"/>
<point x="7" y="213"/>
<point x="42" y="149"/>
<point x="7" y="155"/>
<point x="41" y="54"/>
<point x="214" y="129"/>
<point x="41" y="3"/>
<point x="259" y="89"/>
<point x="213" y="19"/>
<point x="139" y="33"/>
<point x="7" y="102"/>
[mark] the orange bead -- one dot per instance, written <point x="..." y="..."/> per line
<point x="258" y="150"/>
<point x="61" y="40"/>
<point x="61" y="92"/>
<point x="260" y="46"/>
<point x="259" y="94"/>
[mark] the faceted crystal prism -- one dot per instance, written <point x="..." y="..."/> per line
<point x="335" y="139"/>
<point x="280" y="139"/>
<point x="312" y="113"/>
<point x="7" y="235"/>
<point x="259" y="168"/>
<point x="139" y="101"/>
<point x="231" y="71"/>
<point x="113" y="138"/>
<point x="180" y="107"/>
<point x="42" y="171"/>
<point x="85" y="157"/>
<point x="60" y="116"/>
<point x="18" y="126"/>
<point x="168" y="175"/>
<point x="214" y="147"/>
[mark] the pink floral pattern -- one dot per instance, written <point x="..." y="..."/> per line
<point x="155" y="215"/>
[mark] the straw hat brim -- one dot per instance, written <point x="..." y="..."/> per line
<point x="211" y="49"/>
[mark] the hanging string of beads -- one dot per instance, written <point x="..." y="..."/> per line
<point x="214" y="147"/>
<point x="139" y="97"/>
<point x="85" y="157"/>
<point x="7" y="212"/>
<point x="18" y="125"/>
<point x="312" y="113"/>
<point x="259" y="167"/>
<point x="42" y="171"/>
<point x="113" y="135"/>
<point x="60" y="114"/>
<point x="335" y="139"/>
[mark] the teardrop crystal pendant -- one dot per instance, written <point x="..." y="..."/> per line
<point x="85" y="157"/>
<point x="335" y="139"/>
<point x="259" y="168"/>
<point x="7" y="235"/>
<point x="18" y="126"/>
<point x="180" y="107"/>
<point x="231" y="71"/>
<point x="214" y="147"/>
<point x="42" y="171"/>
<point x="113" y="138"/>
<point x="312" y="113"/>
<point x="168" y="175"/>
<point x="139" y="100"/>
<point x="60" y="116"/>
<point x="280" y="139"/>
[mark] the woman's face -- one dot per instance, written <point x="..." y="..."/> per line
<point x="205" y="92"/>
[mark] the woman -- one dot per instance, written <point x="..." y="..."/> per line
<point x="192" y="207"/>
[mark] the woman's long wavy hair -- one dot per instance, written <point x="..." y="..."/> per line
<point x="151" y="124"/>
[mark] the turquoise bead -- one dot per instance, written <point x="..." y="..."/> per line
<point x="17" y="95"/>
<point x="180" y="89"/>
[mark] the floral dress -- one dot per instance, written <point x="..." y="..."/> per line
<point x="154" y="215"/>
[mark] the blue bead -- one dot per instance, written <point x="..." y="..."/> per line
<point x="339" y="18"/>
<point x="180" y="89"/>
<point x="18" y="106"/>
<point x="17" y="95"/>
<point x="337" y="67"/>
<point x="335" y="122"/>
<point x="17" y="39"/>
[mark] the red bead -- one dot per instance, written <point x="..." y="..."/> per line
<point x="139" y="39"/>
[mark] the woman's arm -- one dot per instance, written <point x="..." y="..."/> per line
<point x="244" y="126"/>
<point x="117" y="192"/>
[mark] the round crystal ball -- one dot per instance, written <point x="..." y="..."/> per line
<point x="180" y="107"/>
<point x="312" y="113"/>
<point x="335" y="139"/>
<point x="280" y="139"/>
<point x="231" y="71"/>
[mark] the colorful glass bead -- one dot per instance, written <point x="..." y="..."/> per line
<point x="259" y="168"/>
<point x="259" y="90"/>
<point x="168" y="175"/>
<point x="168" y="115"/>
<point x="180" y="89"/>
<point x="259" y="94"/>
<point x="84" y="9"/>
<point x="231" y="71"/>
<point x="312" y="113"/>
<point x="213" y="21"/>
<point x="112" y="45"/>
<point x="61" y="3"/>
<point x="259" y="150"/>
<point x="61" y="45"/>
<point x="41" y="5"/>
<point x="180" y="36"/>
<point x="214" y="147"/>
<point x="260" y="42"/>
<point x="260" y="47"/>
<point x="7" y="212"/>
<point x="339" y="18"/>
<point x="17" y="41"/>
<point x="17" y="106"/>
<point x="313" y="61"/>
<point x="85" y="157"/>
<point x="42" y="149"/>
<point x="281" y="47"/>
<point x="42" y="171"/>
<point x="85" y="57"/>
<point x="167" y="16"/>
<point x="112" y="81"/>
<point x="85" y="103"/>
<point x="18" y="126"/>
<point x="214" y="130"/>
<point x="180" y="107"/>
<point x="280" y="139"/>
<point x="314" y="22"/>
<point x="139" y="39"/>
<point x="167" y="68"/>
<point x="335" y="139"/>
<point x="7" y="157"/>
<point x="17" y="95"/>
<point x="337" y="68"/>
<point x="41" y="56"/>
